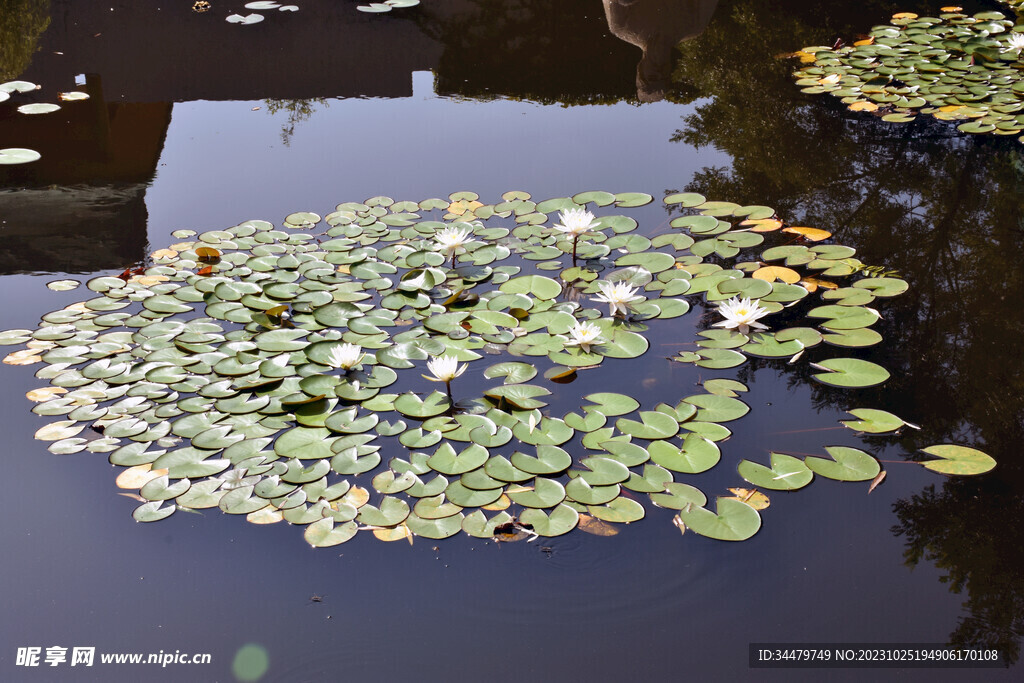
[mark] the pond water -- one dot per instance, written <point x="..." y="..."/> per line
<point x="199" y="124"/>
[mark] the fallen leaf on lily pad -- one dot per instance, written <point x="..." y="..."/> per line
<point x="751" y="497"/>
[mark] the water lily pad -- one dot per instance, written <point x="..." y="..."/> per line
<point x="549" y="460"/>
<point x="447" y="461"/>
<point x="325" y="533"/>
<point x="620" y="510"/>
<point x="19" y="155"/>
<point x="850" y="464"/>
<point x="438" y="528"/>
<point x="653" y="425"/>
<point x="732" y="521"/>
<point x="611" y="404"/>
<point x="544" y="493"/>
<point x="958" y="460"/>
<point x="694" y="455"/>
<point x="561" y="520"/>
<point x="677" y="496"/>
<point x="850" y="372"/>
<point x="513" y="372"/>
<point x="873" y="421"/>
<point x="40" y="108"/>
<point x="785" y="474"/>
<point x="391" y="511"/>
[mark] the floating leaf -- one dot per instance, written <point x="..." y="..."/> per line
<point x="751" y="497"/>
<point x="786" y="473"/>
<point x="18" y="155"/>
<point x="874" y="421"/>
<point x="850" y="372"/>
<point x="732" y="521"/>
<point x="958" y="460"/>
<point x="850" y="464"/>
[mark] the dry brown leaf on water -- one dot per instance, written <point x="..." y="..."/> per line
<point x="134" y="496"/>
<point x="462" y="206"/>
<point x="357" y="497"/>
<point x="773" y="273"/>
<point x="597" y="527"/>
<point x="804" y="56"/>
<point x="879" y="478"/>
<point x="138" y="476"/>
<point x="811" y="284"/>
<point x="812" y="234"/>
<point x="679" y="524"/>
<point x="904" y="15"/>
<point x="393" y="533"/>
<point x="44" y="393"/>
<point x="149" y="280"/>
<point x="502" y="503"/>
<point x="863" y="105"/>
<point x="164" y="253"/>
<point x="866" y="41"/>
<point x="207" y="253"/>
<point x="23" y="357"/>
<point x="763" y="224"/>
<point x="951" y="8"/>
<point x="751" y="497"/>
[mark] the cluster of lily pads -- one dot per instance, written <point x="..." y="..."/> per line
<point x="21" y="155"/>
<point x="260" y="370"/>
<point x="955" y="67"/>
<point x="387" y="5"/>
<point x="254" y="17"/>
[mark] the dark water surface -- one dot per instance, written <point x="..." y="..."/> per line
<point x="196" y="123"/>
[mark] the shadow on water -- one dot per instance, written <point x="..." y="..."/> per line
<point x="942" y="208"/>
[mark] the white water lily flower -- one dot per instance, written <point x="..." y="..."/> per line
<point x="444" y="369"/>
<point x="1015" y="42"/>
<point x="618" y="296"/>
<point x="451" y="239"/>
<point x="345" y="356"/>
<point x="584" y="334"/>
<point x="741" y="314"/>
<point x="575" y="222"/>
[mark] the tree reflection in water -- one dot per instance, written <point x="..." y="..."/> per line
<point x="943" y="209"/>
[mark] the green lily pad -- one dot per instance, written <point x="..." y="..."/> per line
<point x="392" y="511"/>
<point x="561" y="520"/>
<point x="713" y="408"/>
<point x="733" y="520"/>
<point x="447" y="461"/>
<point x="873" y="421"/>
<point x="411" y="405"/>
<point x="439" y="528"/>
<point x="677" y="496"/>
<point x="620" y="510"/>
<point x="545" y="493"/>
<point x="611" y="404"/>
<point x="850" y="464"/>
<point x="958" y="460"/>
<point x="549" y="460"/>
<point x="477" y="524"/>
<point x="653" y="425"/>
<point x="850" y="372"/>
<point x="512" y="371"/>
<point x="786" y="473"/>
<point x="325" y="533"/>
<point x="695" y="455"/>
